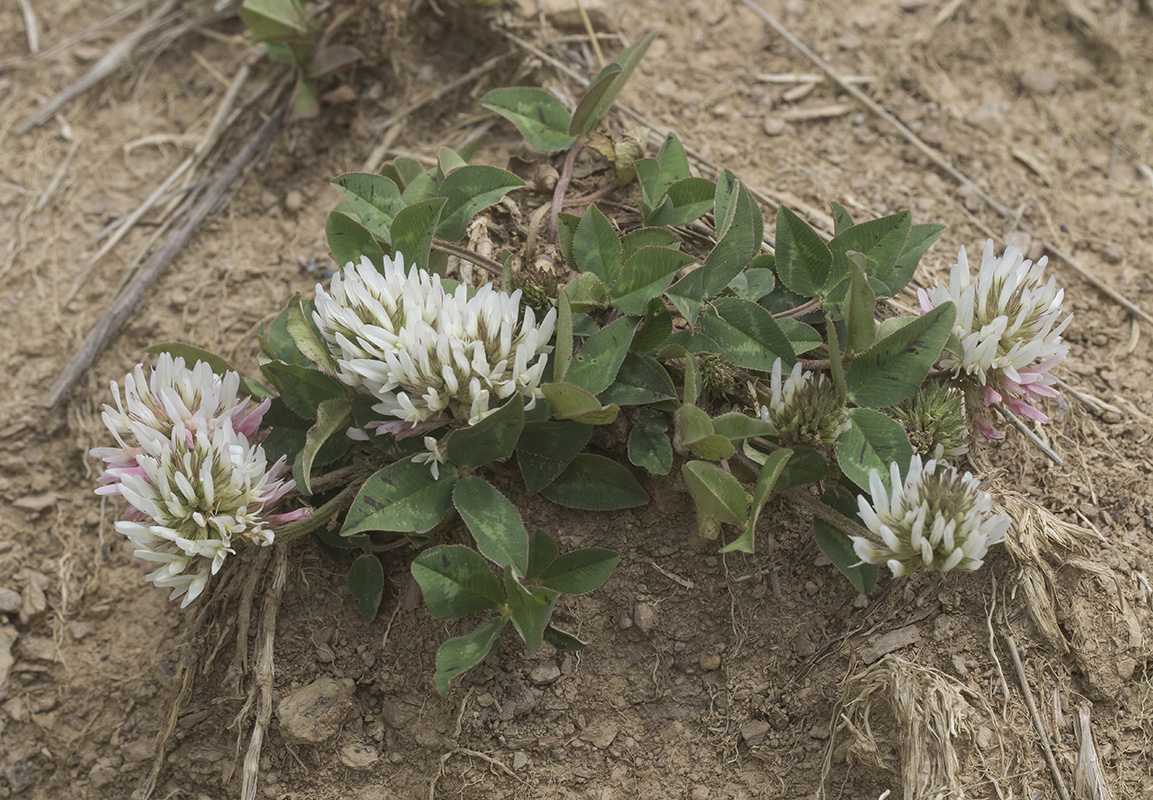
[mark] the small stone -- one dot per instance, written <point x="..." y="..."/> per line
<point x="984" y="737"/>
<point x="7" y="639"/>
<point x="397" y="714"/>
<point x="544" y="674"/>
<point x="969" y="196"/>
<point x="668" y="88"/>
<point x="795" y="9"/>
<point x="137" y="751"/>
<point x="78" y="630"/>
<point x="1018" y="239"/>
<point x="19" y="775"/>
<point x="519" y="761"/>
<point x="775" y="126"/>
<point x="1126" y="667"/>
<point x="313" y="713"/>
<point x="485" y="699"/>
<point x="17" y="709"/>
<point x="376" y="793"/>
<point x="754" y="732"/>
<point x="626" y="621"/>
<point x="37" y="648"/>
<point x="293" y="201"/>
<point x="644" y="617"/>
<point x="9" y="601"/>
<point x="820" y="731"/>
<point x="911" y="5"/>
<point x="710" y="661"/>
<point x="359" y="756"/>
<point x="33" y="601"/>
<point x="104" y="772"/>
<point x="35" y="503"/>
<point x="933" y="183"/>
<point x="569" y="16"/>
<point x="1041" y="81"/>
<point x="600" y="734"/>
<point x="1112" y="253"/>
<point x="700" y="793"/>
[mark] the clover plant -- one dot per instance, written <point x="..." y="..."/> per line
<point x="755" y="368"/>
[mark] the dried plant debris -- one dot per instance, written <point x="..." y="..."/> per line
<point x="1065" y="587"/>
<point x="909" y="719"/>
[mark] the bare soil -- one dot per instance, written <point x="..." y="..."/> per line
<point x="707" y="676"/>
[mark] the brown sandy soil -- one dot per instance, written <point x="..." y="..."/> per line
<point x="706" y="676"/>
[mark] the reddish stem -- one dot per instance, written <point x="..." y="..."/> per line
<point x="561" y="187"/>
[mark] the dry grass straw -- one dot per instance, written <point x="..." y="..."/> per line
<point x="921" y="711"/>
<point x="1039" y="543"/>
<point x="1088" y="779"/>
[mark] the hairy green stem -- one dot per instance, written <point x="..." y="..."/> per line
<point x="836" y="368"/>
<point x="320" y="517"/>
<point x="562" y="187"/>
<point x="592" y="197"/>
<point x="799" y="311"/>
<point x="463" y="253"/>
<point x="801" y="497"/>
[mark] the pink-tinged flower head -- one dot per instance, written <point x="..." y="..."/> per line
<point x="1009" y="326"/>
<point x="197" y="398"/>
<point x="937" y="518"/>
<point x="191" y="466"/>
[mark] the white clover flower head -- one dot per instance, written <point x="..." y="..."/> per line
<point x="197" y="397"/>
<point x="804" y="407"/>
<point x="936" y="518"/>
<point x="427" y="356"/>
<point x="1009" y="325"/>
<point x="191" y="466"/>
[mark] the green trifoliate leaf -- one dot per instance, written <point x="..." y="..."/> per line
<point x="893" y="368"/>
<point x="366" y="582"/>
<point x="457" y="656"/>
<point x="595" y="483"/>
<point x="494" y="522"/>
<point x="403" y="497"/>
<point x="349" y="241"/>
<point x="456" y="581"/>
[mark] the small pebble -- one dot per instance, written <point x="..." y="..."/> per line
<point x="775" y="126"/>
<point x="710" y="661"/>
<point x="754" y="732"/>
<point x="1041" y="81"/>
<point x="544" y="674"/>
<point x="293" y="201"/>
<point x="1112" y="253"/>
<point x="359" y="756"/>
<point x="1018" y="239"/>
<point x="79" y="630"/>
<point x="644" y="617"/>
<point x="9" y="601"/>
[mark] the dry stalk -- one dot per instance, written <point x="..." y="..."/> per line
<point x="265" y="671"/>
<point x="126" y="302"/>
<point x="942" y="162"/>
<point x="111" y="61"/>
<point x="930" y="711"/>
<point x="1088" y="780"/>
<point x="211" y="136"/>
<point x="1040" y="543"/>
<point x="1035" y="715"/>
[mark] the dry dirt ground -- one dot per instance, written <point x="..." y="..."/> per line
<point x="706" y="676"/>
